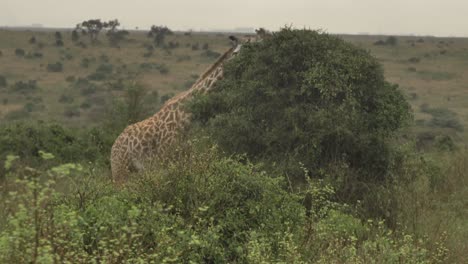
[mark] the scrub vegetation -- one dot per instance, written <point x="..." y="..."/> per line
<point x="313" y="148"/>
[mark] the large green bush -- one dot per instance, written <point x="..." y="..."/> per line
<point x="197" y="208"/>
<point x="305" y="96"/>
<point x="27" y="139"/>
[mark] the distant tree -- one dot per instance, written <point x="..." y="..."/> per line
<point x="32" y="40"/>
<point x="19" y="52"/>
<point x="159" y="33"/>
<point x="75" y="36"/>
<point x="114" y="35"/>
<point x="58" y="39"/>
<point x="59" y="43"/>
<point x="3" y="81"/>
<point x="392" y="41"/>
<point x="262" y="33"/>
<point x="58" y="35"/>
<point x="92" y="28"/>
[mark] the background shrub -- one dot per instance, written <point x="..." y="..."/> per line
<point x="55" y="67"/>
<point x="19" y="52"/>
<point x="25" y="86"/>
<point x="442" y="117"/>
<point x="305" y="97"/>
<point x="66" y="99"/>
<point x="3" y="81"/>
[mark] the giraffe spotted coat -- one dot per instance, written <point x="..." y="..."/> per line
<point x="153" y="136"/>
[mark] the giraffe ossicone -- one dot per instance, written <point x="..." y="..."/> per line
<point x="152" y="137"/>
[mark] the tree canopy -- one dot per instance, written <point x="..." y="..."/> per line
<point x="306" y="97"/>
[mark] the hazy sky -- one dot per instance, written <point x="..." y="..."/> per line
<point x="422" y="17"/>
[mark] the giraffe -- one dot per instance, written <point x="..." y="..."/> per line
<point x="153" y="136"/>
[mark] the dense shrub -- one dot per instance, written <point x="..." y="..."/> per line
<point x="173" y="45"/>
<point x="59" y="43"/>
<point x="166" y="97"/>
<point x="86" y="105"/>
<point x="414" y="60"/>
<point x="198" y="208"/>
<point x="85" y="86"/>
<point x="20" y="114"/>
<point x="32" y="40"/>
<point x="70" y="78"/>
<point x="55" y="67"/>
<point x="33" y="106"/>
<point x="75" y="36"/>
<point x="196" y="46"/>
<point x="26" y="139"/>
<point x="104" y="58"/>
<point x="392" y="41"/>
<point x="66" y="99"/>
<point x="85" y="62"/>
<point x="181" y="58"/>
<point x="25" y="86"/>
<point x="3" y="81"/>
<point x="19" y="52"/>
<point x="442" y="117"/>
<point x="72" y="111"/>
<point x="305" y="97"/>
<point x="102" y="72"/>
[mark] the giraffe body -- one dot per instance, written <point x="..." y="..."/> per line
<point x="153" y="136"/>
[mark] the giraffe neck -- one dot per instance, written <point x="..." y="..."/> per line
<point x="206" y="81"/>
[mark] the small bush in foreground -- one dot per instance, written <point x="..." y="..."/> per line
<point x="195" y="207"/>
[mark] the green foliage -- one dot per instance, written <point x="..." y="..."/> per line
<point x="308" y="97"/>
<point x="182" y="58"/>
<point x="59" y="43"/>
<point x="162" y="68"/>
<point x="55" y="67"/>
<point x="442" y="117"/>
<point x="391" y="41"/>
<point x="3" y="81"/>
<point x="34" y="55"/>
<point x="70" y="78"/>
<point x="75" y="36"/>
<point x="19" y="52"/>
<point x="414" y="60"/>
<point x="28" y="139"/>
<point x="135" y="105"/>
<point x="32" y="40"/>
<point x="72" y="111"/>
<point x="66" y="99"/>
<point x="102" y="72"/>
<point x="166" y="97"/>
<point x="159" y="33"/>
<point x="197" y="207"/>
<point x="20" y="114"/>
<point x="25" y="86"/>
<point x="9" y="161"/>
